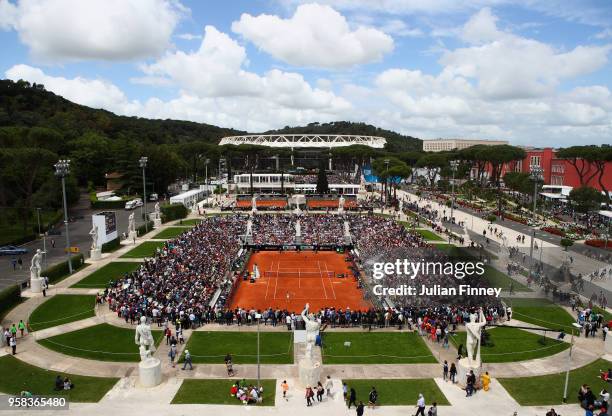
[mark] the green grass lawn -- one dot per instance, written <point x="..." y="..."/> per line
<point x="495" y="278"/>
<point x="375" y="348"/>
<point x="41" y="382"/>
<point x="513" y="344"/>
<point x="171" y="232"/>
<point x="217" y="392"/>
<point x="190" y="222"/>
<point x="398" y="392"/>
<point x="548" y="390"/>
<point x="111" y="271"/>
<point x="212" y="346"/>
<point x="541" y="312"/>
<point x="429" y="235"/>
<point x="61" y="309"/>
<point x="102" y="342"/>
<point x="607" y="316"/>
<point x="146" y="249"/>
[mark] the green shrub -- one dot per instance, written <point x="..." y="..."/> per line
<point x="143" y="230"/>
<point x="491" y="218"/>
<point x="111" y="246"/>
<point x="173" y="212"/>
<point x="9" y="298"/>
<point x="60" y="270"/>
<point x="566" y="242"/>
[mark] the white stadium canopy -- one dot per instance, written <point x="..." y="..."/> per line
<point x="291" y="141"/>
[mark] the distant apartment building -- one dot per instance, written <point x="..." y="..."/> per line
<point x="558" y="172"/>
<point x="443" y="145"/>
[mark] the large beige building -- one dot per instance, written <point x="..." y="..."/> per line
<point x="442" y="145"/>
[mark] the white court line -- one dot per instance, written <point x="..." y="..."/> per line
<point x="276" y="279"/>
<point x="330" y="281"/>
<point x="322" y="281"/>
<point x="268" y="285"/>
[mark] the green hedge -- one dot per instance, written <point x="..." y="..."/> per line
<point x="142" y="230"/>
<point x="111" y="246"/>
<point x="59" y="271"/>
<point x="9" y="298"/>
<point x="173" y="212"/>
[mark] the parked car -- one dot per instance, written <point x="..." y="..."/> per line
<point x="133" y="204"/>
<point x="153" y="197"/>
<point x="12" y="251"/>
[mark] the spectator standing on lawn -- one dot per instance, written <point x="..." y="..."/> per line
<point x="187" y="360"/>
<point x="352" y="398"/>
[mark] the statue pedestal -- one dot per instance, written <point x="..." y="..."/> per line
<point x="132" y="235"/>
<point x="37" y="284"/>
<point x="156" y="223"/>
<point x="340" y="210"/>
<point x="310" y="372"/>
<point x="149" y="372"/>
<point x="298" y="239"/>
<point x="95" y="254"/>
<point x="463" y="369"/>
<point x="608" y="344"/>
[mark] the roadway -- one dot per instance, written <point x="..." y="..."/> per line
<point x="79" y="237"/>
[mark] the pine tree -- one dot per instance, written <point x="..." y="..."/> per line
<point x="322" y="185"/>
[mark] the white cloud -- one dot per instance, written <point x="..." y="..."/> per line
<point x="398" y="27"/>
<point x="604" y="34"/>
<point x="315" y="36"/>
<point x="500" y="85"/>
<point x="93" y="93"/>
<point x="509" y="66"/>
<point x="189" y="36"/>
<point x="66" y="30"/>
<point x="216" y="70"/>
<point x="8" y="15"/>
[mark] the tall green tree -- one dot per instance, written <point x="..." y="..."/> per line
<point x="585" y="199"/>
<point x="322" y="184"/>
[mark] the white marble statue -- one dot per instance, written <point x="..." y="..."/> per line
<point x="312" y="329"/>
<point x="35" y="267"/>
<point x="298" y="228"/>
<point x="157" y="211"/>
<point x="131" y="224"/>
<point x="249" y="230"/>
<point x="341" y="203"/>
<point x="347" y="228"/>
<point x="472" y="344"/>
<point x="94" y="237"/>
<point x="254" y="203"/>
<point x="144" y="339"/>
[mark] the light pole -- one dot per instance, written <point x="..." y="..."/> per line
<point x="206" y="162"/>
<point x="453" y="165"/>
<point x="143" y="164"/>
<point x="62" y="169"/>
<point x="44" y="236"/>
<point x="258" y="317"/>
<point x="536" y="176"/>
<point x="387" y="182"/>
<point x="569" y="363"/>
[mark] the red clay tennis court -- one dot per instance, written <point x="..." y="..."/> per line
<point x="290" y="279"/>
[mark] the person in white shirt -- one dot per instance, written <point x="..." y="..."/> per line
<point x="329" y="385"/>
<point x="420" y="406"/>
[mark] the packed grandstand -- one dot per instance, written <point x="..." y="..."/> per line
<point x="197" y="273"/>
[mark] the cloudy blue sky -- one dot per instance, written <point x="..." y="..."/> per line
<point x="534" y="72"/>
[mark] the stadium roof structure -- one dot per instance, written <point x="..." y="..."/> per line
<point x="305" y="140"/>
